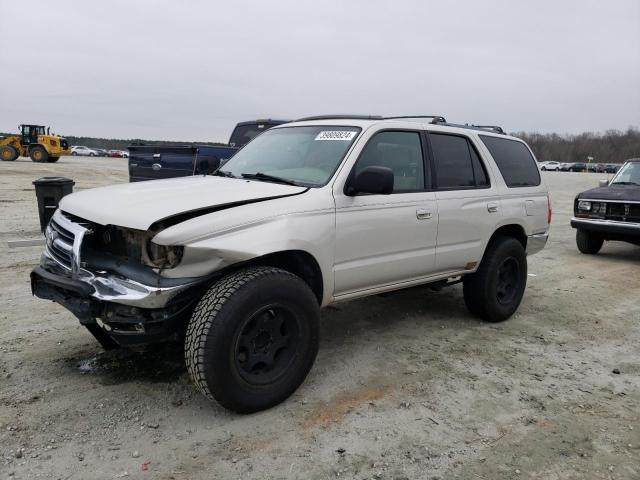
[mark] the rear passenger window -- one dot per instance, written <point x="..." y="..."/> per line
<point x="399" y="151"/>
<point x="516" y="164"/>
<point x="456" y="162"/>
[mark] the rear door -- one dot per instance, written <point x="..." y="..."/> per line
<point x="468" y="205"/>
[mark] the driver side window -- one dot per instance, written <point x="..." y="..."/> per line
<point x="401" y="152"/>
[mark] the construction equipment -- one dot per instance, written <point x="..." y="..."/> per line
<point x="34" y="141"/>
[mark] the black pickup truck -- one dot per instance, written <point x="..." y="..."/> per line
<point x="151" y="162"/>
<point x="610" y="212"/>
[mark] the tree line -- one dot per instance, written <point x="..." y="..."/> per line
<point x="612" y="146"/>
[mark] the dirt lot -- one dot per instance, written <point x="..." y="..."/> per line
<point x="406" y="385"/>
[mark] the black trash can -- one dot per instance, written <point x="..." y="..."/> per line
<point x="49" y="191"/>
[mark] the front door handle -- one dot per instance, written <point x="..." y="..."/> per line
<point x="423" y="214"/>
<point x="492" y="207"/>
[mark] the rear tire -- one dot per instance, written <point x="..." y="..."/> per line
<point x="8" y="153"/>
<point x="588" y="243"/>
<point x="495" y="290"/>
<point x="38" y="154"/>
<point x="53" y="159"/>
<point x="253" y="338"/>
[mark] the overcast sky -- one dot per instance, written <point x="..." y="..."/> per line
<point x="190" y="70"/>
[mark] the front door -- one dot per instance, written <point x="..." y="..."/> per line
<point x="387" y="239"/>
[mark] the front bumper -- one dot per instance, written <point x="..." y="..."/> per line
<point x="536" y="242"/>
<point x="117" y="311"/>
<point x="610" y="228"/>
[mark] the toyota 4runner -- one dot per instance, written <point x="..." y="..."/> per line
<point x="238" y="264"/>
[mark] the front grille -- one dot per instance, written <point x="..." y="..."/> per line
<point x="60" y="243"/>
<point x="64" y="144"/>
<point x="623" y="212"/>
<point x="63" y="232"/>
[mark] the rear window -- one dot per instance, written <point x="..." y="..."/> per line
<point x="516" y="164"/>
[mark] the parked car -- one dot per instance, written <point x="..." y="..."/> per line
<point x="610" y="212"/>
<point x="84" y="151"/>
<point x="564" y="167"/>
<point x="551" y="165"/>
<point x="150" y="162"/>
<point x="101" y="152"/>
<point x="612" y="168"/>
<point x="577" y="167"/>
<point x="325" y="209"/>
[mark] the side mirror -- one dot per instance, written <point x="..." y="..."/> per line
<point x="207" y="165"/>
<point x="374" y="180"/>
<point x="604" y="183"/>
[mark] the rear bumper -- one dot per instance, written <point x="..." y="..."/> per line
<point x="607" y="227"/>
<point x="536" y="242"/>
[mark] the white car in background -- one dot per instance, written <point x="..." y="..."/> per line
<point x="551" y="165"/>
<point x="83" y="151"/>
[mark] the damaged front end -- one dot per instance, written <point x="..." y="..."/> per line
<point x="111" y="279"/>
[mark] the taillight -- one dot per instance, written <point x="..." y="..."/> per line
<point x="549" y="211"/>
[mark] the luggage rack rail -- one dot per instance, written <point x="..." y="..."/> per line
<point x="435" y="120"/>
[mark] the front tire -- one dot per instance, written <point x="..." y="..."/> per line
<point x="8" y="153"/>
<point x="495" y="290"/>
<point x="588" y="243"/>
<point x="253" y="338"/>
<point x="38" y="154"/>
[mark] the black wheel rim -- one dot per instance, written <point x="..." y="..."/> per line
<point x="267" y="344"/>
<point x="508" y="281"/>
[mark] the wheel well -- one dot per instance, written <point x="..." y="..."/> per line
<point x="298" y="262"/>
<point x="515" y="231"/>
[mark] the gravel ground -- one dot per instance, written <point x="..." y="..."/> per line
<point x="406" y="385"/>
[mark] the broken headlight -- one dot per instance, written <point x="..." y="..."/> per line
<point x="162" y="256"/>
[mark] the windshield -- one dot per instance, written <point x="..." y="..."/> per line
<point x="629" y="174"/>
<point x="302" y="155"/>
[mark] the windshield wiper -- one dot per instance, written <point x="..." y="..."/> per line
<point x="266" y="176"/>
<point x="224" y="173"/>
<point x="625" y="183"/>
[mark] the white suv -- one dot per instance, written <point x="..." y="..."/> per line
<point x="84" y="151"/>
<point x="238" y="264"/>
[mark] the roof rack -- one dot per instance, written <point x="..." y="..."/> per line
<point x="435" y="118"/>
<point x="341" y="117"/>
<point x="493" y="128"/>
<point x="490" y="128"/>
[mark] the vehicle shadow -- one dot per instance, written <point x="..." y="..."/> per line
<point x="391" y="311"/>
<point x="387" y="313"/>
<point x="159" y="363"/>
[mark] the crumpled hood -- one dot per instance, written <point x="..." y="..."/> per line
<point x="138" y="205"/>
<point x="613" y="192"/>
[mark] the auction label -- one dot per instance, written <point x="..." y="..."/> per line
<point x="341" y="135"/>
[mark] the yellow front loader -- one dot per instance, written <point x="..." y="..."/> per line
<point x="35" y="142"/>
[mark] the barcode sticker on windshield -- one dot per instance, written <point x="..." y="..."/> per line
<point x="342" y="135"/>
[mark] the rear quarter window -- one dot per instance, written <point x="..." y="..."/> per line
<point x="513" y="158"/>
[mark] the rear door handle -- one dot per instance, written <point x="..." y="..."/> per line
<point x="423" y="214"/>
<point x="492" y="207"/>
